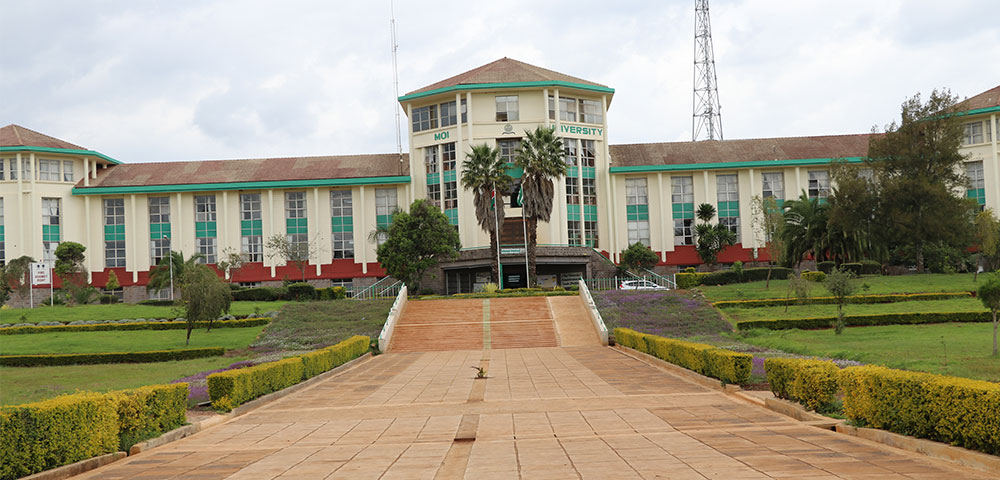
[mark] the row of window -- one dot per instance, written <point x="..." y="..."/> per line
<point x="507" y="110"/>
<point x="577" y="110"/>
<point x="48" y="170"/>
<point x="433" y="116"/>
<point x="978" y="132"/>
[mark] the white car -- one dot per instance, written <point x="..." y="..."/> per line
<point x="640" y="285"/>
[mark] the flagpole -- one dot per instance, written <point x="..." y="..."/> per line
<point x="524" y="225"/>
<point x="496" y="229"/>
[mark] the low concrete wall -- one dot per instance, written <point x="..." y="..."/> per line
<point x="385" y="337"/>
<point x="595" y="316"/>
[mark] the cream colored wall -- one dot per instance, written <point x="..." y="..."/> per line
<point x="989" y="154"/>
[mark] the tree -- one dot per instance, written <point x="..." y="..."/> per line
<point x="69" y="263"/>
<point x="205" y="297"/>
<point x="987" y="232"/>
<point x="767" y="223"/>
<point x="160" y="275"/>
<point x="14" y="277"/>
<point x="638" y="256"/>
<point x="231" y="263"/>
<point x="416" y="242"/>
<point x="840" y="284"/>
<point x="854" y="214"/>
<point x="989" y="294"/>
<point x="112" y="283"/>
<point x="805" y="229"/>
<point x="297" y="254"/>
<point x="712" y="239"/>
<point x="541" y="156"/>
<point x="918" y="167"/>
<point x="485" y="174"/>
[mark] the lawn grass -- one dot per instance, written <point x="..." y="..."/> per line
<point x="805" y="311"/>
<point x="668" y="314"/>
<point x="959" y="349"/>
<point x="21" y="385"/>
<point x="311" y="325"/>
<point x="117" y="311"/>
<point x="125" y="340"/>
<point x="915" y="283"/>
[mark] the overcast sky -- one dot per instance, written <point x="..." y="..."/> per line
<point x="187" y="80"/>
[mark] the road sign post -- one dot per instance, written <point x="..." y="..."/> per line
<point x="41" y="274"/>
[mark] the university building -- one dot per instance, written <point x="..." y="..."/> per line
<point x="130" y="215"/>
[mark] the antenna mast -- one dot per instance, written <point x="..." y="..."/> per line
<point x="706" y="124"/>
<point x="395" y="81"/>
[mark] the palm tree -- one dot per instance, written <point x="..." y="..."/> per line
<point x="485" y="173"/>
<point x="712" y="239"/>
<point x="160" y="275"/>
<point x="805" y="229"/>
<point x="541" y="156"/>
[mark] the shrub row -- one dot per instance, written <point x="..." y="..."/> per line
<point x="818" y="277"/>
<point x="725" y="365"/>
<point x="958" y="411"/>
<point x="97" y="327"/>
<point x="911" y="318"/>
<point x="66" y="429"/>
<point x="812" y="383"/>
<point x="295" y="291"/>
<point x="232" y="388"/>
<point x="108" y="357"/>
<point x="687" y="280"/>
<point x="888" y="298"/>
<point x="864" y="267"/>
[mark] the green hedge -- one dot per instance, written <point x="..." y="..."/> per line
<point x="98" y="327"/>
<point x="812" y="383"/>
<point x="301" y="291"/>
<point x="232" y="388"/>
<point x="818" y="277"/>
<point x="108" y="357"/>
<point x="825" y="267"/>
<point x="66" y="429"/>
<point x="953" y="410"/>
<point x="867" y="320"/>
<point x="725" y="365"/>
<point x="261" y="294"/>
<point x="888" y="298"/>
<point x="687" y="280"/>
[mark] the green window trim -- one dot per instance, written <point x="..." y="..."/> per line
<point x="50" y="233"/>
<point x="729" y="209"/>
<point x="433" y="178"/>
<point x="979" y="194"/>
<point x="251" y="228"/>
<point x="589" y="172"/>
<point x="262" y="185"/>
<point x="159" y="230"/>
<point x="205" y="230"/>
<point x="637" y="212"/>
<point x="683" y="210"/>
<point x="114" y="233"/>
<point x="383" y="220"/>
<point x="296" y="225"/>
<point x="590" y="213"/>
<point x="342" y="224"/>
<point x="450" y="176"/>
<point x="66" y="151"/>
<point x="452" y="214"/>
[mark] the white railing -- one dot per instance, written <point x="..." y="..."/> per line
<point x="595" y="316"/>
<point x="661" y="280"/>
<point x="390" y="322"/>
<point x="379" y="289"/>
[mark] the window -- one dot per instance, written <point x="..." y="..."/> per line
<point x="342" y="219"/>
<point x="25" y="168"/>
<point x="590" y="232"/>
<point x="163" y="294"/>
<point x="206" y="240"/>
<point x="296" y="222"/>
<point x="385" y="206"/>
<point x="48" y="170"/>
<point x="13" y="168"/>
<point x="347" y="283"/>
<point x="774" y="185"/>
<point x="449" y="114"/>
<point x="465" y="112"/>
<point x="251" y="228"/>
<point x="450" y="195"/>
<point x="507" y="108"/>
<point x="819" y="184"/>
<point x="567" y="109"/>
<point x="434" y="194"/>
<point x="448" y="157"/>
<point x="591" y="111"/>
<point x="589" y="191"/>
<point x="728" y="196"/>
<point x="114" y="232"/>
<point x="682" y="198"/>
<point x="637" y="210"/>
<point x="588" y="153"/>
<point x="3" y="246"/>
<point x="575" y="234"/>
<point x="159" y="229"/>
<point x="973" y="133"/>
<point x="67" y="171"/>
<point x="425" y="118"/>
<point x="3" y="168"/>
<point x="50" y="228"/>
<point x="431" y="158"/>
<point x="977" y="186"/>
<point x="508" y="149"/>
<point x="572" y="159"/>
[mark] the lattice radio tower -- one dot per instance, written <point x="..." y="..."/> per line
<point x="706" y="124"/>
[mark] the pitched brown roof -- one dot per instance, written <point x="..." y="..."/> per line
<point x="251" y="170"/>
<point x="748" y="150"/>
<point x="989" y="98"/>
<point x="505" y="70"/>
<point x="18" y="136"/>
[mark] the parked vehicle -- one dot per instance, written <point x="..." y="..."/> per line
<point x="640" y="285"/>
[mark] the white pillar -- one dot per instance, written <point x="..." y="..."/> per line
<point x="86" y="168"/>
<point x="363" y="219"/>
<point x="665" y="216"/>
<point x="270" y="222"/>
<point x="134" y="244"/>
<point x="319" y="231"/>
<point x="87" y="237"/>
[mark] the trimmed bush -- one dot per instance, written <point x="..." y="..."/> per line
<point x="259" y="294"/>
<point x="855" y="268"/>
<point x="110" y="357"/>
<point x="812" y="383"/>
<point x="825" y="267"/>
<point x="724" y="365"/>
<point x="953" y="410"/>
<point x="722" y="277"/>
<point x="101" y="327"/>
<point x="301" y="291"/>
<point x="887" y="298"/>
<point x="912" y="318"/>
<point x="69" y="428"/>
<point x="818" y="277"/>
<point x="157" y="303"/>
<point x="338" y="293"/>
<point x="871" y="267"/>
<point x="688" y="280"/>
<point x="319" y="361"/>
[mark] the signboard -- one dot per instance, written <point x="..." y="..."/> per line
<point x="40" y="273"/>
<point x="511" y="251"/>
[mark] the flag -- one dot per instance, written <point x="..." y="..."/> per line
<point x="493" y="200"/>
<point x="520" y="196"/>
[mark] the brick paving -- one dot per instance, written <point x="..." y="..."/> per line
<point x="542" y="413"/>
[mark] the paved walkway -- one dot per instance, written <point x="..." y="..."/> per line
<point x="559" y="413"/>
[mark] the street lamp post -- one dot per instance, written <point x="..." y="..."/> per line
<point x="170" y="265"/>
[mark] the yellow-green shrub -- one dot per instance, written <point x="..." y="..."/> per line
<point x="818" y="277"/>
<point x="812" y="383"/>
<point x="947" y="409"/>
<point x="884" y="298"/>
<point x="725" y="365"/>
<point x="66" y="429"/>
<point x="687" y="280"/>
<point x="319" y="361"/>
<point x="233" y="387"/>
<point x="102" y="327"/>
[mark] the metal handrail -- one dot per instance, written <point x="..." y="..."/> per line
<point x="365" y="293"/>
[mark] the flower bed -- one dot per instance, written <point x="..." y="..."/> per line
<point x="665" y="313"/>
<point x="911" y="318"/>
<point x="857" y="299"/>
<point x="164" y="325"/>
